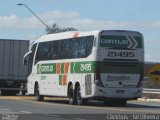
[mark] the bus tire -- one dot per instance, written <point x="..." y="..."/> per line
<point x="37" y="94"/>
<point x="71" y="95"/>
<point x="79" y="99"/>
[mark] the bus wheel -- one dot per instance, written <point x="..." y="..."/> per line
<point x="38" y="96"/>
<point x="79" y="99"/>
<point x="71" y="95"/>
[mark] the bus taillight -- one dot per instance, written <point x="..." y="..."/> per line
<point x="97" y="78"/>
<point x="140" y="79"/>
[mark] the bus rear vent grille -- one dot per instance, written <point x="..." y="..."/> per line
<point x="88" y="85"/>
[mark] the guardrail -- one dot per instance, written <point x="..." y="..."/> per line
<point x="151" y="91"/>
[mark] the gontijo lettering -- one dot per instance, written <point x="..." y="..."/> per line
<point x="120" y="42"/>
<point x="47" y="68"/>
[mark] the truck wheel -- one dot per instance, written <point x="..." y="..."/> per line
<point x="23" y="92"/>
<point x="71" y="95"/>
<point x="9" y="92"/>
<point x="37" y="94"/>
<point x="14" y="92"/>
<point x="3" y="92"/>
<point x="79" y="99"/>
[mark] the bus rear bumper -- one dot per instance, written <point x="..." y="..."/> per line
<point x="121" y="93"/>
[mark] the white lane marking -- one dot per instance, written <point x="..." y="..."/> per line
<point x="78" y="119"/>
<point x="92" y="107"/>
<point x="6" y="109"/>
<point x="53" y="115"/>
<point x="25" y="112"/>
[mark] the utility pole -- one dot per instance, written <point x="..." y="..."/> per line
<point x="47" y="27"/>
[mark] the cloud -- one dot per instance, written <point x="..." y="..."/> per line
<point x="71" y="19"/>
<point x="13" y="22"/>
<point x="8" y="21"/>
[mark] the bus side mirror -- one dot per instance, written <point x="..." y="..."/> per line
<point x="26" y="57"/>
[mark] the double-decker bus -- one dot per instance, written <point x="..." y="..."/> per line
<point x="104" y="65"/>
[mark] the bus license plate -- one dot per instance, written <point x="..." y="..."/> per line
<point x="120" y="91"/>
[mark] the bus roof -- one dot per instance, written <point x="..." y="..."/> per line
<point x="64" y="35"/>
<point x="74" y="34"/>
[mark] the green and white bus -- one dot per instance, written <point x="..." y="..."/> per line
<point x="104" y="65"/>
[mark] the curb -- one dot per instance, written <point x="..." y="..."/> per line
<point x="149" y="100"/>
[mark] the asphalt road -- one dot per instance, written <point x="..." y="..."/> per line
<point x="26" y="108"/>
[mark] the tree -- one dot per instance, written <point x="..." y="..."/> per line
<point x="55" y="28"/>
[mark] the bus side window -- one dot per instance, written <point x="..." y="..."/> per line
<point x="89" y="45"/>
<point x="65" y="49"/>
<point x="42" y="52"/>
<point x="83" y="46"/>
<point x="53" y="50"/>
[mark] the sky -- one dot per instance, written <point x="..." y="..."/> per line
<point x="17" y="22"/>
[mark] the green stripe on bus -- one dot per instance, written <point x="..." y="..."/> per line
<point x="72" y="67"/>
<point x="85" y="67"/>
<point x="62" y="67"/>
<point x="90" y="67"/>
<point x="121" y="68"/>
<point x="60" y="79"/>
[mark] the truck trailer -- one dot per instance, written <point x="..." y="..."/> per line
<point x="13" y="74"/>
